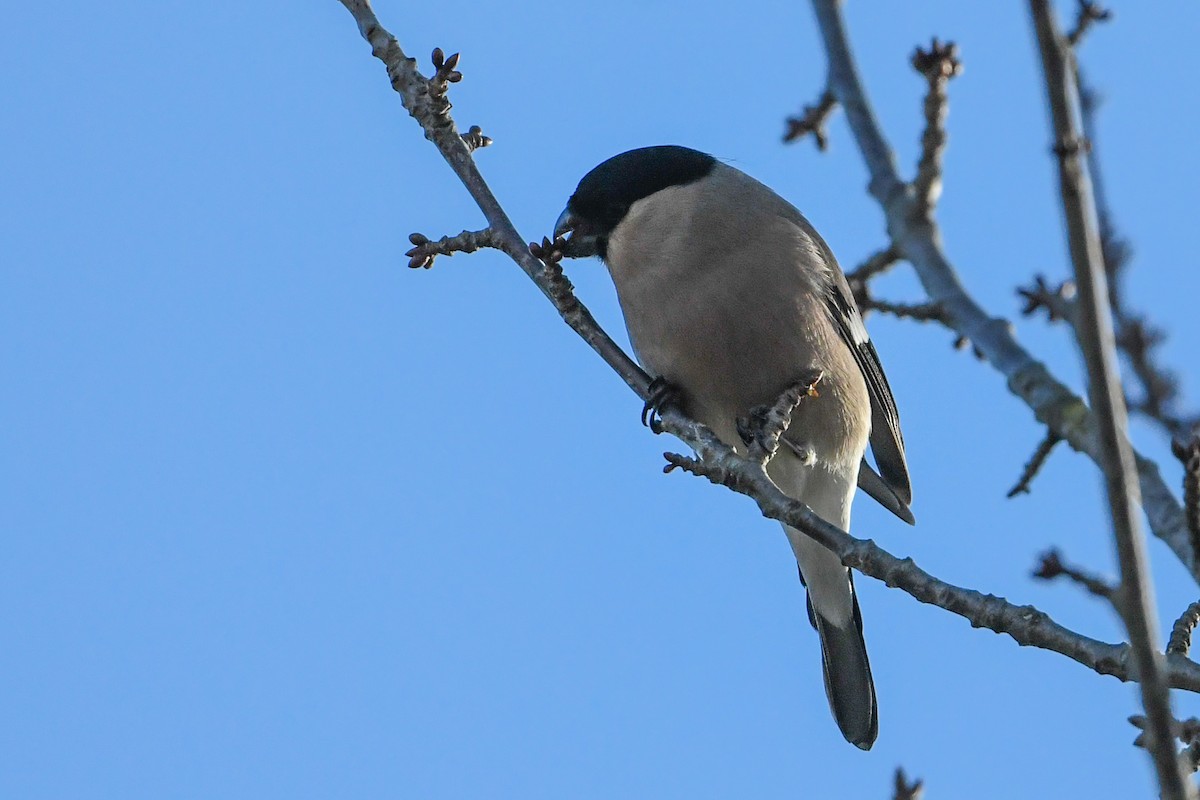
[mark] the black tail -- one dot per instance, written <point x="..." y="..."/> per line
<point x="848" y="681"/>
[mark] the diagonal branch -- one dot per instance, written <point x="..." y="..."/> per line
<point x="432" y="111"/>
<point x="918" y="240"/>
<point x="720" y="463"/>
<point x="1034" y="465"/>
<point x="1025" y="624"/>
<point x="1097" y="341"/>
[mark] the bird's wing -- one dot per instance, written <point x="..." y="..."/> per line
<point x="878" y="490"/>
<point x="887" y="443"/>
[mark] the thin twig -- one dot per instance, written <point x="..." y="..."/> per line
<point x="1095" y="331"/>
<point x="1034" y="465"/>
<point x="903" y="790"/>
<point x="1089" y="13"/>
<point x="424" y="250"/>
<point x="765" y="425"/>
<point x="878" y="262"/>
<point x="812" y="120"/>
<point x="921" y="312"/>
<point x="938" y="64"/>
<point x="1052" y="566"/>
<point x="919" y="241"/>
<point x="1189" y="456"/>
<point x="432" y="113"/>
<point x="1181" y="632"/>
<point x="1137" y="338"/>
<point x="1057" y="301"/>
<point x="866" y="302"/>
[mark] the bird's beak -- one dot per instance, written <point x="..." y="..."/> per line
<point x="580" y="243"/>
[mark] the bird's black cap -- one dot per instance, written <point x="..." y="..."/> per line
<point x="606" y="193"/>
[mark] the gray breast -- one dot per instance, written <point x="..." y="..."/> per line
<point x="721" y="287"/>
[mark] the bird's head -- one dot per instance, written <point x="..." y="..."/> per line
<point x="606" y="194"/>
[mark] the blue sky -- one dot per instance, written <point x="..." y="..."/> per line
<point x="283" y="518"/>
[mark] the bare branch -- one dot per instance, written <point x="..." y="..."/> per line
<point x="1089" y="13"/>
<point x="1181" y="633"/>
<point x="1189" y="455"/>
<point x="938" y="64"/>
<point x="1034" y="465"/>
<point x="918" y="240"/>
<point x="878" y="262"/>
<point x="424" y="251"/>
<point x="1052" y="566"/>
<point x="866" y="302"/>
<point x="903" y="790"/>
<point x="1025" y="624"/>
<point x="762" y="429"/>
<point x="1116" y="250"/>
<point x="1096" y="338"/>
<point x="432" y="112"/>
<point x="1137" y="338"/>
<point x="812" y="120"/>
<point x="921" y="312"/>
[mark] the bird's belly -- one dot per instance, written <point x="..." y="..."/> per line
<point x="728" y="354"/>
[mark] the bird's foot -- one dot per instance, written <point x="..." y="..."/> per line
<point x="662" y="394"/>
<point x="751" y="427"/>
<point x="763" y="427"/>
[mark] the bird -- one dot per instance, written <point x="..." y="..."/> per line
<point x="729" y="296"/>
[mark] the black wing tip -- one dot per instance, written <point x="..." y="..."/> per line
<point x="884" y="492"/>
<point x="865" y="744"/>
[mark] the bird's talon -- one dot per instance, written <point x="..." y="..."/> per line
<point x="750" y="427"/>
<point x="662" y="395"/>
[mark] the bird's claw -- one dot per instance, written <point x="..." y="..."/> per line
<point x="662" y="394"/>
<point x="750" y="427"/>
<point x="762" y="429"/>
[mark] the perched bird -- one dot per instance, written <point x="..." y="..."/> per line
<point x="730" y="297"/>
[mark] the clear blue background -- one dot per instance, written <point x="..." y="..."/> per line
<point x="283" y="518"/>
